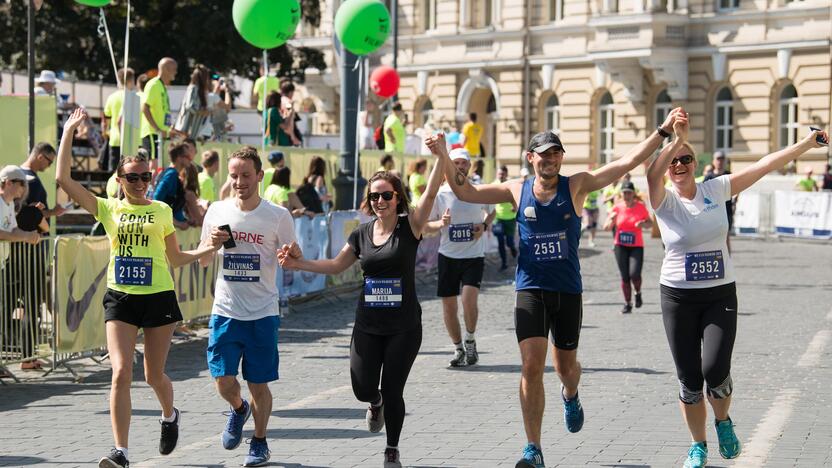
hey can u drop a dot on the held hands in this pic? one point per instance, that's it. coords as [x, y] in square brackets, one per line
[812, 138]
[218, 237]
[288, 256]
[681, 126]
[74, 120]
[436, 144]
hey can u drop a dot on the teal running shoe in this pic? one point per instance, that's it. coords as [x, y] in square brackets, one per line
[532, 458]
[729, 445]
[573, 412]
[697, 455]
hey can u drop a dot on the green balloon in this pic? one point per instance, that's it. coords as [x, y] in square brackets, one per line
[94, 3]
[266, 24]
[362, 25]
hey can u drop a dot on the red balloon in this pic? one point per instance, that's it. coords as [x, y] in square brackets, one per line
[384, 81]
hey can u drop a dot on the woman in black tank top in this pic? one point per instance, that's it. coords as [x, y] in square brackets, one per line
[388, 322]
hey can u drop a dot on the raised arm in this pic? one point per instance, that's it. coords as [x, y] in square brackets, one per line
[73, 188]
[606, 174]
[332, 266]
[656, 170]
[487, 194]
[745, 178]
[420, 214]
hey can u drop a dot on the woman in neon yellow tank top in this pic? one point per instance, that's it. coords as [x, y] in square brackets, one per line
[140, 292]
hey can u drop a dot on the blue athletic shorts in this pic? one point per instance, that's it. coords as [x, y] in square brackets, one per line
[252, 341]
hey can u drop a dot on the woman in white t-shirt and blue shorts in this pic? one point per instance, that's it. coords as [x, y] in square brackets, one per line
[698, 289]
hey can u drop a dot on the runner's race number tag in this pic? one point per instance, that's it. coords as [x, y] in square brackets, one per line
[134, 271]
[382, 292]
[548, 246]
[241, 267]
[461, 232]
[626, 238]
[702, 266]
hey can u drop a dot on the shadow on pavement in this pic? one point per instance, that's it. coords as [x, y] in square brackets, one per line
[506, 368]
[322, 413]
[320, 434]
[12, 460]
[633, 370]
[17, 396]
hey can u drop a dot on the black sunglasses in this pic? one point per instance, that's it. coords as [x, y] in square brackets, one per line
[132, 177]
[684, 159]
[387, 196]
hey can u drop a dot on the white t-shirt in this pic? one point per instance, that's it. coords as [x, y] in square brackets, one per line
[246, 287]
[7, 223]
[457, 239]
[694, 233]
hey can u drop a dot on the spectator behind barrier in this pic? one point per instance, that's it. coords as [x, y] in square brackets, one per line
[169, 188]
[195, 207]
[280, 193]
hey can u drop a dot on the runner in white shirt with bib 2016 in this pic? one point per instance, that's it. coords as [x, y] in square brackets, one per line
[461, 260]
[698, 287]
[244, 319]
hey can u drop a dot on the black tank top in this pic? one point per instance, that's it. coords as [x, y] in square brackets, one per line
[388, 304]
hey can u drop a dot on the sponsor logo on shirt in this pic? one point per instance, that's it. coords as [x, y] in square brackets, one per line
[529, 213]
[709, 205]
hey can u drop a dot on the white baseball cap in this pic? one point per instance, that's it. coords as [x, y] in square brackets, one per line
[460, 153]
[47, 76]
[12, 172]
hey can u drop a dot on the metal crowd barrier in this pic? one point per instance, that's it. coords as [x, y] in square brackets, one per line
[26, 322]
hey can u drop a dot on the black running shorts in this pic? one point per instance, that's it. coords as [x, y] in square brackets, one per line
[539, 313]
[453, 271]
[142, 310]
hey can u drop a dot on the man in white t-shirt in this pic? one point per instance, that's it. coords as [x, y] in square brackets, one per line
[461, 260]
[244, 319]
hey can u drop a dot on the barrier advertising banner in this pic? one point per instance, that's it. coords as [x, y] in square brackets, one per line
[803, 214]
[747, 214]
[341, 224]
[312, 238]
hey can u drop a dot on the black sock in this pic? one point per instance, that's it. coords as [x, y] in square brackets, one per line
[258, 439]
[241, 409]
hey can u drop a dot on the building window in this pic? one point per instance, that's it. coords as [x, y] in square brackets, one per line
[724, 121]
[552, 114]
[554, 10]
[606, 129]
[788, 116]
[429, 14]
[425, 113]
[727, 4]
[663, 107]
[482, 13]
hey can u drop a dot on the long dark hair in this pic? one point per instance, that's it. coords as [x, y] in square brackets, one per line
[317, 167]
[403, 205]
[282, 177]
[201, 78]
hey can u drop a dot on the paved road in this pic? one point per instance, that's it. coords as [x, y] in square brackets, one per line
[471, 417]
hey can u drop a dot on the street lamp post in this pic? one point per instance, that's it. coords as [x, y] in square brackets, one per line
[30, 25]
[349, 177]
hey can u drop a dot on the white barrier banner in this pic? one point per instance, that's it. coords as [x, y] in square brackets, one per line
[803, 214]
[747, 214]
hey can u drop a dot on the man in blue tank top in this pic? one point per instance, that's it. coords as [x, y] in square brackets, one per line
[548, 281]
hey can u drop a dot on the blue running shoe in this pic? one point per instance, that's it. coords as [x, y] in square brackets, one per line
[532, 458]
[729, 445]
[573, 413]
[258, 453]
[697, 455]
[233, 433]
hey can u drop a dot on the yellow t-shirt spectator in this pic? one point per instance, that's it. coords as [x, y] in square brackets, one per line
[155, 95]
[473, 133]
[394, 123]
[112, 110]
[277, 194]
[272, 84]
[415, 181]
[207, 190]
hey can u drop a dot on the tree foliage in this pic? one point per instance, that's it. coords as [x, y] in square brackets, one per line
[191, 31]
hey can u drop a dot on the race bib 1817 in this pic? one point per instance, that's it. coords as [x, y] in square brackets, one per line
[626, 238]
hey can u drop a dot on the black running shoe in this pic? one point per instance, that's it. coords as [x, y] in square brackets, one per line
[627, 309]
[170, 434]
[115, 459]
[638, 300]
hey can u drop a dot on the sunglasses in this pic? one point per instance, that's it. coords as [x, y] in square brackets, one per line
[684, 159]
[387, 196]
[48, 159]
[132, 177]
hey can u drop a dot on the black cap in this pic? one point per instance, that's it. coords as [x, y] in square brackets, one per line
[275, 156]
[628, 186]
[543, 141]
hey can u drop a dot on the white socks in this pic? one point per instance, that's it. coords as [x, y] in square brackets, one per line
[124, 451]
[469, 336]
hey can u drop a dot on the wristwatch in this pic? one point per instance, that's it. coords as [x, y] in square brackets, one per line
[662, 132]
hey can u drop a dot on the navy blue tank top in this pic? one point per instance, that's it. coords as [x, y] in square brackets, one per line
[549, 235]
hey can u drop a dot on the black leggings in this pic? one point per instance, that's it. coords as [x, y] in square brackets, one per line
[701, 325]
[395, 353]
[630, 261]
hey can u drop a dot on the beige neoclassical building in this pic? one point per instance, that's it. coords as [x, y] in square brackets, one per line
[753, 74]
